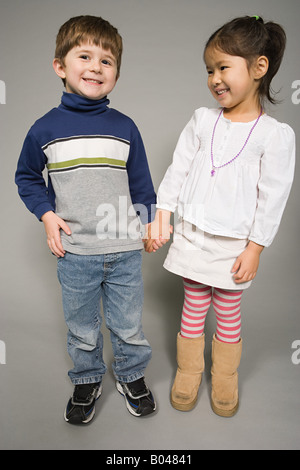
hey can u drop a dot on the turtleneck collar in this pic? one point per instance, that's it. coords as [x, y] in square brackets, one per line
[77, 103]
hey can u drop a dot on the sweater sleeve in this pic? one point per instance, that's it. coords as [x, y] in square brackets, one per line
[29, 178]
[140, 182]
[186, 149]
[276, 177]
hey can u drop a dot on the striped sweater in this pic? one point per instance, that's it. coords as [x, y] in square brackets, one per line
[98, 176]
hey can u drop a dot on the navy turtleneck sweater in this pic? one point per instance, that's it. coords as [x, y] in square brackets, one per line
[98, 175]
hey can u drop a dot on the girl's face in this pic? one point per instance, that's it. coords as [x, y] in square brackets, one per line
[230, 80]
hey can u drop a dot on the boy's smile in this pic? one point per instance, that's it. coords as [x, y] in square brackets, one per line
[88, 70]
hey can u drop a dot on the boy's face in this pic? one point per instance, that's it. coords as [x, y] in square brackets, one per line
[88, 70]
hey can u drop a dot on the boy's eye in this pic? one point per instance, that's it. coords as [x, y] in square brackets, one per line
[223, 67]
[84, 56]
[105, 62]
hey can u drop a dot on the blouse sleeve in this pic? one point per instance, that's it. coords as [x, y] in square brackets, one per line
[276, 177]
[186, 149]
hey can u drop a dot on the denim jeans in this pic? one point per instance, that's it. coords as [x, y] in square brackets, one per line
[116, 279]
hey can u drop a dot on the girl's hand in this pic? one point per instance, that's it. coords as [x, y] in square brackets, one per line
[151, 246]
[158, 232]
[246, 265]
[53, 224]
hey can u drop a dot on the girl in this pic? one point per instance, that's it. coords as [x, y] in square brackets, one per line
[230, 180]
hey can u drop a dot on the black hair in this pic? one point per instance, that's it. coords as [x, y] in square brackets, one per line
[250, 37]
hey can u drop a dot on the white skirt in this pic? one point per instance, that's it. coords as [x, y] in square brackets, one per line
[203, 257]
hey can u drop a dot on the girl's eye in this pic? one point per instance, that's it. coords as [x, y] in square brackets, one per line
[85, 57]
[105, 62]
[223, 67]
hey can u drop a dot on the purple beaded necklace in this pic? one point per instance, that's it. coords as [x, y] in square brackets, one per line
[238, 154]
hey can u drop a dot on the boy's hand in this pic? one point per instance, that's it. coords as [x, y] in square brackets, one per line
[158, 232]
[53, 224]
[246, 265]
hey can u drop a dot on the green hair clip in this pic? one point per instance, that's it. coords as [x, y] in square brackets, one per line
[256, 17]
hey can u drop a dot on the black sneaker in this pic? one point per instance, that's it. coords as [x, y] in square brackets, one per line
[139, 399]
[81, 406]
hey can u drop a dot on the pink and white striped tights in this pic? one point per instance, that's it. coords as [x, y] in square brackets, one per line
[227, 307]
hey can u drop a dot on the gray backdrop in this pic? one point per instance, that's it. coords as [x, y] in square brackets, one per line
[163, 80]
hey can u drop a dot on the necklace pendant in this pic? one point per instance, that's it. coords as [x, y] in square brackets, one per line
[238, 154]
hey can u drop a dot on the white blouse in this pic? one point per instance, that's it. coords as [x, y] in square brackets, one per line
[244, 199]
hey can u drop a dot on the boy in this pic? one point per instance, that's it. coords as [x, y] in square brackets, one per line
[96, 163]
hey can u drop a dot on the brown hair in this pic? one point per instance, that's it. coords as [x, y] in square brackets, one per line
[92, 29]
[250, 37]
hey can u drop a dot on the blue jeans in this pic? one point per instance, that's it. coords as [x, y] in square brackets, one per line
[116, 279]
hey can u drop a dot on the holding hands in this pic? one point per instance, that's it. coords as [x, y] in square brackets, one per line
[158, 232]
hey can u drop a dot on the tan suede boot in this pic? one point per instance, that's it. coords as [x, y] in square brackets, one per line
[190, 359]
[225, 362]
